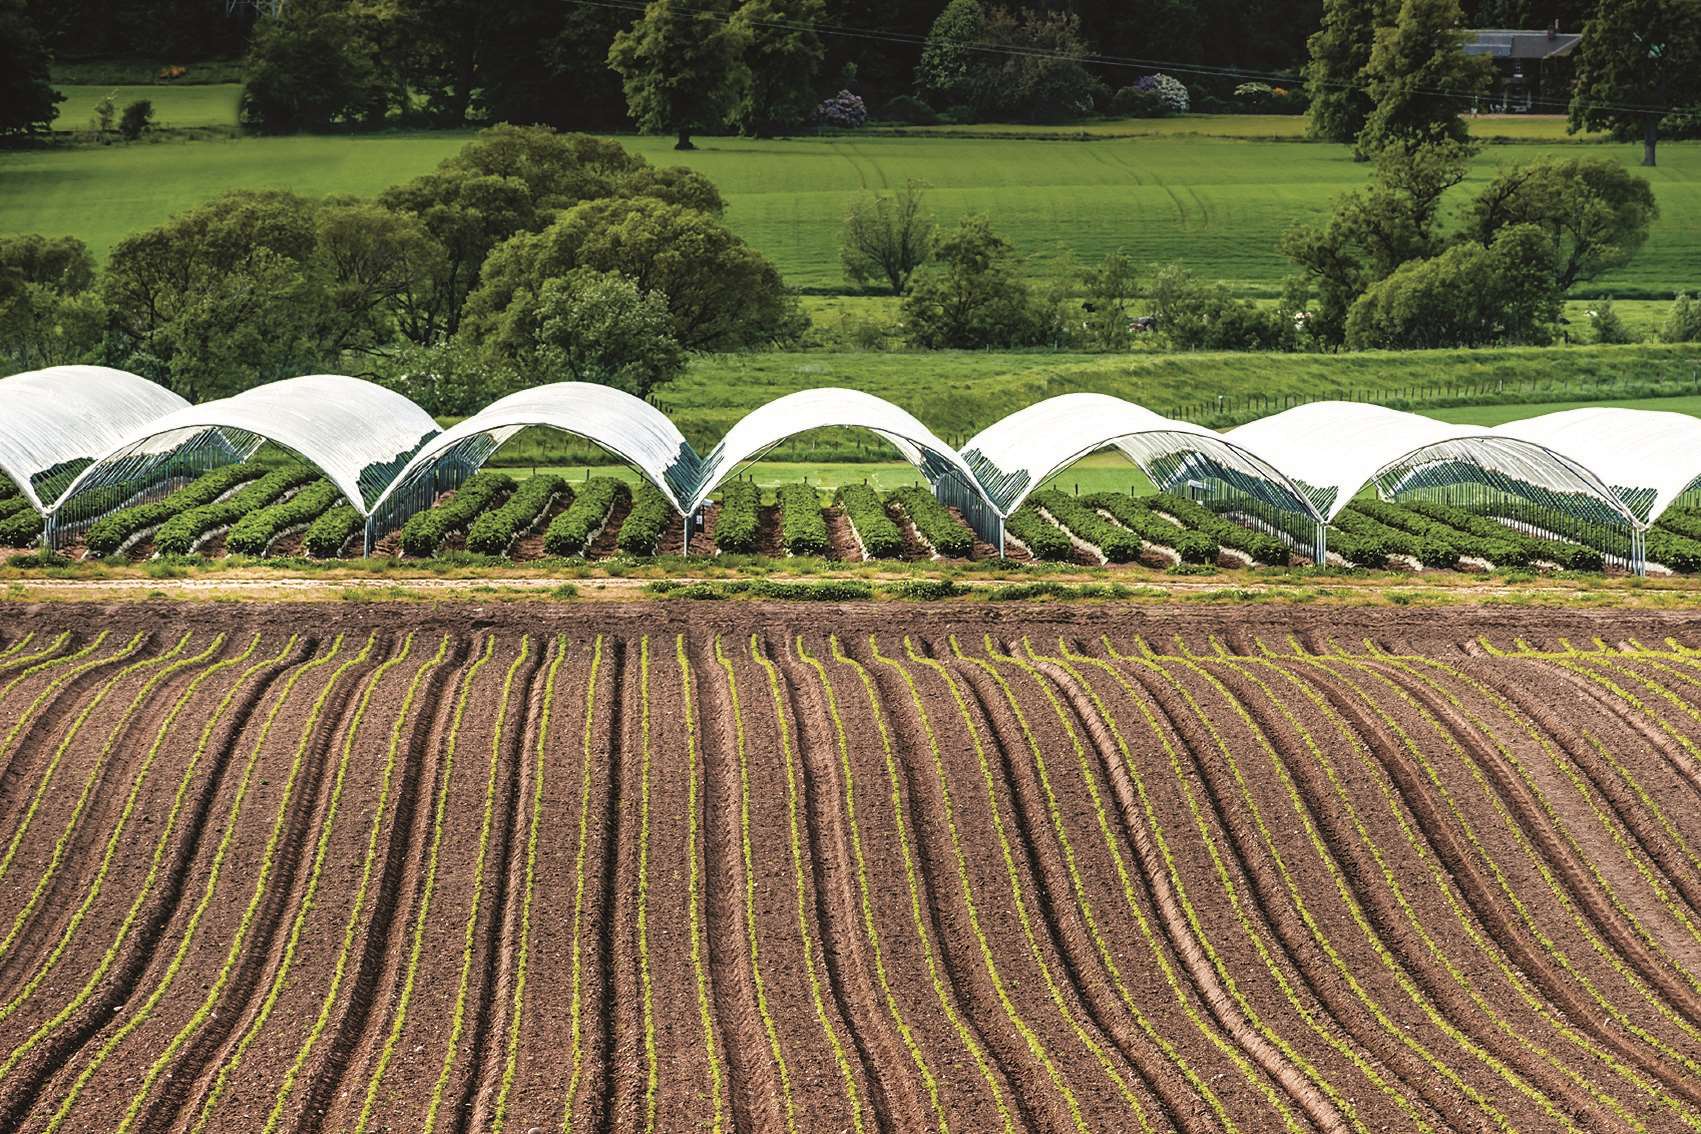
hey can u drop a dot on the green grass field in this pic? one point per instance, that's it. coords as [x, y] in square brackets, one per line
[175, 108]
[1217, 204]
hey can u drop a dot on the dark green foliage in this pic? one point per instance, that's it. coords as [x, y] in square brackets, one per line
[972, 296]
[425, 531]
[924, 590]
[1419, 78]
[1335, 74]
[1132, 513]
[136, 120]
[879, 536]
[20, 527]
[651, 513]
[1637, 59]
[1118, 544]
[329, 534]
[680, 67]
[494, 531]
[1595, 212]
[738, 523]
[107, 534]
[1374, 520]
[1500, 545]
[934, 523]
[179, 534]
[572, 531]
[307, 69]
[1262, 547]
[1043, 539]
[28, 102]
[803, 526]
[253, 533]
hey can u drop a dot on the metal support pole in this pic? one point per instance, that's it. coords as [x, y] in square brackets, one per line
[685, 545]
[371, 536]
[1320, 544]
[1001, 537]
[1639, 552]
[49, 533]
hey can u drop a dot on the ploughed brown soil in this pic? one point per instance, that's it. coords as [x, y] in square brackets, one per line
[878, 868]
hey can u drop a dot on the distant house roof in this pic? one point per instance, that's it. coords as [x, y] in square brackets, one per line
[1505, 43]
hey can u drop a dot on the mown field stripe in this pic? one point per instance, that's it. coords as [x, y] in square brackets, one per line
[800, 887]
[1513, 976]
[94, 777]
[865, 899]
[511, 1054]
[1036, 1047]
[694, 893]
[1517, 1080]
[469, 941]
[587, 778]
[351, 927]
[1547, 944]
[914, 876]
[747, 852]
[214, 872]
[1019, 893]
[404, 998]
[286, 962]
[110, 853]
[268, 859]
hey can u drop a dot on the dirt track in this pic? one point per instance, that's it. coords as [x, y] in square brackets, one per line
[676, 867]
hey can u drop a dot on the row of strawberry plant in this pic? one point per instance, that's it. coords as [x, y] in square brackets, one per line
[641, 531]
[1371, 521]
[1042, 538]
[1132, 513]
[112, 532]
[329, 534]
[582, 521]
[934, 522]
[1504, 546]
[1115, 543]
[180, 534]
[803, 526]
[875, 530]
[20, 524]
[739, 521]
[425, 531]
[495, 531]
[1261, 546]
[254, 533]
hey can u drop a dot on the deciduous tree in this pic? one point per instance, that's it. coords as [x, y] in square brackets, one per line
[681, 67]
[887, 237]
[973, 295]
[28, 102]
[1638, 71]
[1419, 78]
[783, 54]
[1596, 213]
[588, 326]
[1335, 74]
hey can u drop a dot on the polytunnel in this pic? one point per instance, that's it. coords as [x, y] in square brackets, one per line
[1333, 450]
[359, 435]
[54, 423]
[1014, 456]
[628, 427]
[1650, 458]
[768, 425]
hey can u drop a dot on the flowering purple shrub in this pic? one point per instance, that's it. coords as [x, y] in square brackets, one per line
[1168, 88]
[844, 111]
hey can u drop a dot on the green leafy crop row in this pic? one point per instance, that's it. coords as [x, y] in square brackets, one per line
[1115, 543]
[641, 531]
[179, 534]
[572, 531]
[255, 532]
[1262, 547]
[327, 535]
[109, 533]
[1043, 539]
[934, 522]
[494, 532]
[425, 531]
[1132, 513]
[803, 527]
[874, 528]
[738, 523]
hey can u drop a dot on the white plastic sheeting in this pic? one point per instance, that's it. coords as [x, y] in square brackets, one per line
[1648, 457]
[358, 434]
[1332, 450]
[630, 428]
[1012, 457]
[766, 426]
[55, 419]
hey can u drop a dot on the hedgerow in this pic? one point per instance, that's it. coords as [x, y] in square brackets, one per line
[254, 533]
[1115, 543]
[875, 530]
[494, 531]
[109, 533]
[425, 531]
[180, 534]
[329, 534]
[934, 522]
[641, 531]
[572, 531]
[1132, 513]
[738, 523]
[1042, 538]
[1261, 546]
[803, 526]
